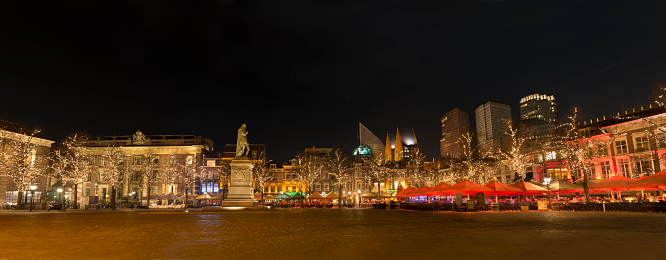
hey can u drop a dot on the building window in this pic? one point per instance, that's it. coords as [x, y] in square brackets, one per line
[156, 161]
[210, 163]
[272, 189]
[624, 167]
[621, 147]
[279, 189]
[87, 192]
[551, 156]
[153, 190]
[137, 160]
[153, 177]
[605, 169]
[642, 167]
[265, 189]
[641, 144]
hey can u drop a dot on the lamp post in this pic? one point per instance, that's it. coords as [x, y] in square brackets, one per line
[359, 197]
[32, 196]
[62, 199]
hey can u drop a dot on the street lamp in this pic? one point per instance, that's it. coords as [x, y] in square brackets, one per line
[359, 197]
[32, 196]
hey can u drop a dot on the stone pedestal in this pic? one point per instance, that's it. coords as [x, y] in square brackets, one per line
[241, 193]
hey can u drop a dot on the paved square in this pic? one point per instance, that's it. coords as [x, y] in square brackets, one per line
[332, 234]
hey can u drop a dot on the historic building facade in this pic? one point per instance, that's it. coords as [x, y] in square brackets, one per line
[171, 154]
[8, 189]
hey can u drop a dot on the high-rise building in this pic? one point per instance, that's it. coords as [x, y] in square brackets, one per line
[401, 146]
[539, 114]
[366, 137]
[455, 123]
[492, 119]
[540, 107]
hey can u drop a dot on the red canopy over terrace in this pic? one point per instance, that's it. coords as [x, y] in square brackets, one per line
[419, 191]
[617, 182]
[502, 189]
[437, 190]
[466, 187]
[652, 182]
[562, 186]
[529, 188]
[404, 192]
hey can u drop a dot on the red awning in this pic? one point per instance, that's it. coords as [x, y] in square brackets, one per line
[501, 188]
[656, 181]
[419, 191]
[529, 188]
[404, 192]
[467, 187]
[437, 190]
[617, 182]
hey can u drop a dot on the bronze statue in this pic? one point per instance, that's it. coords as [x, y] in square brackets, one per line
[242, 146]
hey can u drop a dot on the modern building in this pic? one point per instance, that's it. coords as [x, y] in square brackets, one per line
[13, 132]
[455, 124]
[538, 106]
[492, 119]
[370, 140]
[171, 152]
[538, 113]
[401, 146]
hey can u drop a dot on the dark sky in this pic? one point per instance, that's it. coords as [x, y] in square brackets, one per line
[304, 73]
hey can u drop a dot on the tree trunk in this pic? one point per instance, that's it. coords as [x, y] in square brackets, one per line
[339, 195]
[113, 198]
[75, 196]
[587, 191]
[148, 199]
[19, 200]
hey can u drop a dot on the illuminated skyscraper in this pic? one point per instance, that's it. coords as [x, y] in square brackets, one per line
[455, 123]
[492, 120]
[539, 114]
[538, 107]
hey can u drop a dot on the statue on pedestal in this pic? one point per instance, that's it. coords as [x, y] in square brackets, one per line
[242, 146]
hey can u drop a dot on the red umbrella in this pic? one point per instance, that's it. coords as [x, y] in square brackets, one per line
[529, 188]
[652, 182]
[502, 189]
[466, 187]
[437, 190]
[419, 191]
[617, 182]
[404, 192]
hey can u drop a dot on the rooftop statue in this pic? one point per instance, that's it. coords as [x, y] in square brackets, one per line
[242, 146]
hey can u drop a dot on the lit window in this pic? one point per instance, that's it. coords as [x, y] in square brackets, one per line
[621, 147]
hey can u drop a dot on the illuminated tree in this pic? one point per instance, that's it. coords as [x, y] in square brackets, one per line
[376, 170]
[261, 173]
[189, 174]
[339, 170]
[148, 165]
[470, 166]
[517, 156]
[578, 150]
[114, 169]
[70, 164]
[19, 159]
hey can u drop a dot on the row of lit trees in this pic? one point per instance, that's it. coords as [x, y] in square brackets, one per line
[69, 163]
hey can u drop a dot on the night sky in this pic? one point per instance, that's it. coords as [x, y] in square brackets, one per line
[304, 73]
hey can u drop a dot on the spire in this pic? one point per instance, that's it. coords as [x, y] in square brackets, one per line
[388, 155]
[398, 146]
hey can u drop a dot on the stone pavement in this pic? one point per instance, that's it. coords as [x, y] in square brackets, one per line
[330, 234]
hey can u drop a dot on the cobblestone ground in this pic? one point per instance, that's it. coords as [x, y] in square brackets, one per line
[331, 234]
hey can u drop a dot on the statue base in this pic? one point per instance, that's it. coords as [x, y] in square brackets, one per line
[241, 192]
